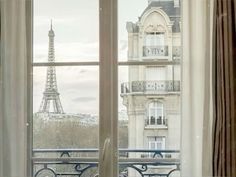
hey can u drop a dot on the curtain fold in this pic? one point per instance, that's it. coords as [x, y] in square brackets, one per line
[224, 90]
[13, 89]
[196, 84]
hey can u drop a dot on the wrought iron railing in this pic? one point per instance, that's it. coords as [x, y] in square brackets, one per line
[74, 163]
[156, 121]
[155, 51]
[150, 86]
[160, 51]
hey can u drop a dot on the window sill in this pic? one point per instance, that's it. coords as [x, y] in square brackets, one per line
[156, 127]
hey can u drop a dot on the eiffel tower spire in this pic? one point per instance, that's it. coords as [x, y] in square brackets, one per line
[51, 94]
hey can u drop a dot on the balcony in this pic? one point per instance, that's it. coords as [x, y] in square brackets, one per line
[84, 162]
[155, 51]
[156, 122]
[162, 51]
[150, 87]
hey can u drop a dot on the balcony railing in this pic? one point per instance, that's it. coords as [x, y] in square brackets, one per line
[156, 122]
[150, 87]
[74, 163]
[161, 51]
[155, 51]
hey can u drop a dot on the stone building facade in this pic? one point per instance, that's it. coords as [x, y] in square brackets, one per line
[152, 95]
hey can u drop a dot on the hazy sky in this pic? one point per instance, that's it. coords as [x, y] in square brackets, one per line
[75, 23]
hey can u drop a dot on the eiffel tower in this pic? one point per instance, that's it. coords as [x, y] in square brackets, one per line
[51, 94]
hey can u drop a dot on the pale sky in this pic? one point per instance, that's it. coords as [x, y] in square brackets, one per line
[75, 23]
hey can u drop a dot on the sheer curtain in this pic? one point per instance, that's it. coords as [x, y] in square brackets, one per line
[196, 89]
[13, 88]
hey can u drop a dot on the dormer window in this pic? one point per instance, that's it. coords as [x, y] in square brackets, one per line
[155, 39]
[154, 44]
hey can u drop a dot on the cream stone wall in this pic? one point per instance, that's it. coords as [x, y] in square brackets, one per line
[153, 19]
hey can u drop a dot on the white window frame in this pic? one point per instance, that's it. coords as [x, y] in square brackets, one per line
[108, 85]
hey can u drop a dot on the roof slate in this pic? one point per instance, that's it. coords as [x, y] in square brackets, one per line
[167, 6]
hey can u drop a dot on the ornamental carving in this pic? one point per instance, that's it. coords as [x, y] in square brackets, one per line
[155, 28]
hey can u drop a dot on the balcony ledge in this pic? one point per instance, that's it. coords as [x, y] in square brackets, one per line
[151, 87]
[150, 93]
[150, 127]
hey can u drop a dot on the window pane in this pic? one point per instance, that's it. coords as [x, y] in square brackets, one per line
[150, 95]
[146, 33]
[75, 24]
[65, 119]
[122, 114]
[146, 112]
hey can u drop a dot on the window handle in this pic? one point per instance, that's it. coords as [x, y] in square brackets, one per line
[105, 147]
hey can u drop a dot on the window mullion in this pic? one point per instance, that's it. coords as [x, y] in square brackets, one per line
[108, 107]
[29, 94]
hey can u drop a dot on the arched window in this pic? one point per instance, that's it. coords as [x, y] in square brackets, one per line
[156, 113]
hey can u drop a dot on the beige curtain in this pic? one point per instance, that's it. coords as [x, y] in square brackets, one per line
[224, 132]
[13, 87]
[196, 88]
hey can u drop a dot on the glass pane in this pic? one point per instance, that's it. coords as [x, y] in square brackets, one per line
[147, 33]
[149, 118]
[150, 95]
[122, 114]
[65, 119]
[75, 25]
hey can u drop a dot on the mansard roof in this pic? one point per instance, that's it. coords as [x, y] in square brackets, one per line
[167, 6]
[174, 14]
